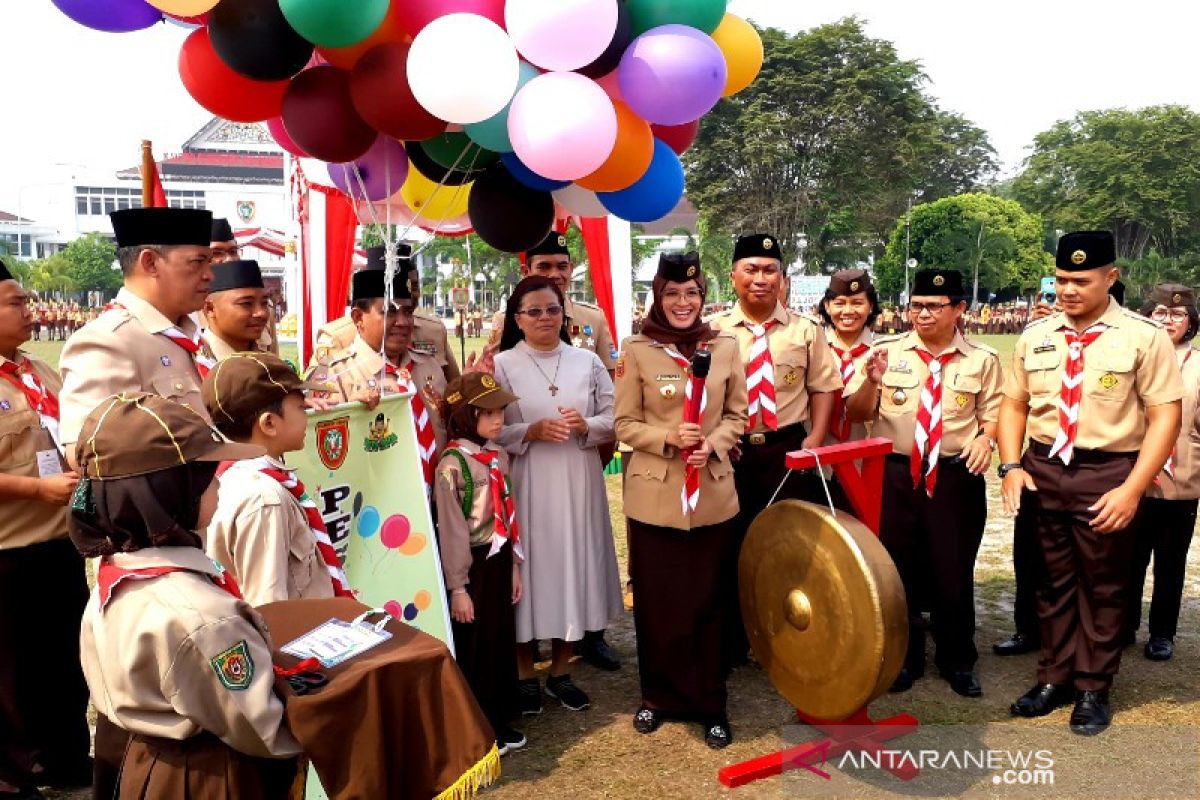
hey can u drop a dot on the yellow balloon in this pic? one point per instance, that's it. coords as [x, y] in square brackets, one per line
[743, 49]
[184, 8]
[434, 203]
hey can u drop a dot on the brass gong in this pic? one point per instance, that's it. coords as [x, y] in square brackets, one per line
[824, 608]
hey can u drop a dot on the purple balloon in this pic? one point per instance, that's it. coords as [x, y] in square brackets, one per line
[383, 170]
[113, 16]
[672, 74]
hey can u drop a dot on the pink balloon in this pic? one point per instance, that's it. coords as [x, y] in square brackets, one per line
[562, 126]
[395, 532]
[561, 35]
[414, 15]
[394, 608]
[275, 126]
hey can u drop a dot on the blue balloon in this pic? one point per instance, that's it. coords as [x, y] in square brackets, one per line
[655, 194]
[114, 16]
[527, 177]
[368, 522]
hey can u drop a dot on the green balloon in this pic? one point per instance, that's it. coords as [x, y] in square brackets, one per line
[703, 14]
[334, 23]
[457, 151]
[492, 133]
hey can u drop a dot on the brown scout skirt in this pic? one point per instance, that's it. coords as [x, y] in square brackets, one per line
[200, 768]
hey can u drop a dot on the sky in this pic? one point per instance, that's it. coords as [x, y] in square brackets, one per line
[78, 100]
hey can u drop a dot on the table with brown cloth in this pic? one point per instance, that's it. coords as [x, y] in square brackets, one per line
[397, 721]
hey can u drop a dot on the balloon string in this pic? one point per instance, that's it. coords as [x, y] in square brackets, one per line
[419, 214]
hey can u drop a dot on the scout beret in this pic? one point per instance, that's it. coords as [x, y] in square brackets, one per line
[1173, 294]
[679, 267]
[553, 245]
[139, 433]
[235, 275]
[135, 227]
[477, 389]
[241, 386]
[1084, 250]
[849, 281]
[936, 282]
[368, 284]
[221, 230]
[5, 275]
[757, 245]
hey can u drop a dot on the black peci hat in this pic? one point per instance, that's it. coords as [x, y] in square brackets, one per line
[679, 267]
[757, 245]
[1084, 250]
[554, 244]
[236, 275]
[5, 275]
[167, 227]
[368, 284]
[937, 282]
[377, 258]
[221, 230]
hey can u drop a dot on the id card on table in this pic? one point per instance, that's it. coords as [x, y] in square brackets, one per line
[336, 641]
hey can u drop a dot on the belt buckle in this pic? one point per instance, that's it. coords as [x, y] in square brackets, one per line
[758, 438]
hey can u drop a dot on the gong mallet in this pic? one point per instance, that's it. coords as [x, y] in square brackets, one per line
[693, 409]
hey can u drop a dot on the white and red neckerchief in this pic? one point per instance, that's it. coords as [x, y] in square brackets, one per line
[191, 344]
[689, 496]
[41, 399]
[760, 377]
[1072, 390]
[927, 436]
[504, 509]
[426, 436]
[839, 423]
[316, 524]
[109, 577]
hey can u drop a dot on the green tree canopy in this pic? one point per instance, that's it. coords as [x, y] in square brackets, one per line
[969, 232]
[1136, 173]
[91, 258]
[828, 144]
[53, 274]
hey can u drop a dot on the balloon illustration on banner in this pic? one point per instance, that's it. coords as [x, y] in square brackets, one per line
[453, 115]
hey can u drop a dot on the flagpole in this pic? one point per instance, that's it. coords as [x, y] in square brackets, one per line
[147, 171]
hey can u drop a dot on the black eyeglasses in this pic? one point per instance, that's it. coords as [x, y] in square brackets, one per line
[537, 313]
[932, 308]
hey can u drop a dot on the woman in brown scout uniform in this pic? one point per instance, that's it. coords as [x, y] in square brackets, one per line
[678, 551]
[170, 651]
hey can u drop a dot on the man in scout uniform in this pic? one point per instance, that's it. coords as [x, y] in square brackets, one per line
[792, 381]
[226, 248]
[44, 738]
[1098, 390]
[936, 396]
[237, 311]
[146, 341]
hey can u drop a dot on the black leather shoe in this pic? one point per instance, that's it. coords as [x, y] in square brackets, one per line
[595, 651]
[647, 720]
[965, 683]
[1091, 715]
[717, 734]
[1160, 648]
[903, 682]
[1016, 645]
[1042, 699]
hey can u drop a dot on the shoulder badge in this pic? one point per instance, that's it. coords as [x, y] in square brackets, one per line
[234, 667]
[620, 372]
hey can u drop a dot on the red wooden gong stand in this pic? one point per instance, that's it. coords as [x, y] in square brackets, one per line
[859, 733]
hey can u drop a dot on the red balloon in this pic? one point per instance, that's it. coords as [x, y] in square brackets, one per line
[414, 15]
[381, 94]
[212, 84]
[320, 117]
[280, 134]
[678, 137]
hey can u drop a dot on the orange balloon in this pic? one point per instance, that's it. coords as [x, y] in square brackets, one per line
[413, 545]
[422, 600]
[631, 156]
[388, 31]
[744, 53]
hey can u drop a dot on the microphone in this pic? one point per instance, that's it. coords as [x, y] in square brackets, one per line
[693, 410]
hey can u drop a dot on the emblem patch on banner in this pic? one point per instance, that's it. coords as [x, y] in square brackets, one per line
[380, 436]
[247, 209]
[332, 437]
[234, 667]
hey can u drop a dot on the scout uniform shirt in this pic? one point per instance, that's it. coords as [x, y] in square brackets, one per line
[1129, 367]
[650, 390]
[429, 338]
[215, 348]
[587, 328]
[261, 534]
[971, 395]
[1185, 485]
[858, 430]
[804, 364]
[177, 655]
[123, 351]
[26, 449]
[457, 534]
[360, 370]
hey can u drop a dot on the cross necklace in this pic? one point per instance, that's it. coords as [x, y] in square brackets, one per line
[551, 381]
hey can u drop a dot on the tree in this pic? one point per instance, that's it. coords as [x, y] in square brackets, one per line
[1135, 173]
[90, 260]
[827, 146]
[18, 268]
[53, 274]
[979, 235]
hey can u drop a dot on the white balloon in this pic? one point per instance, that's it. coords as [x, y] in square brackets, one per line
[580, 201]
[562, 126]
[562, 34]
[463, 68]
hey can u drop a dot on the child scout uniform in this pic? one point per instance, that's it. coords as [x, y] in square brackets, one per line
[132, 347]
[171, 652]
[229, 275]
[267, 531]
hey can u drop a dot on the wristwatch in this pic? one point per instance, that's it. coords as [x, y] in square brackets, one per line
[1004, 469]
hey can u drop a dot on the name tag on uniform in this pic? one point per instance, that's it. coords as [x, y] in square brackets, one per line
[49, 463]
[424, 348]
[668, 377]
[1046, 348]
[337, 641]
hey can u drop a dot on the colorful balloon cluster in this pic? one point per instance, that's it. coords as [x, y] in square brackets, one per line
[492, 115]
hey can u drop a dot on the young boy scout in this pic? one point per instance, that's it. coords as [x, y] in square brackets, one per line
[236, 312]
[44, 738]
[267, 531]
[1098, 390]
[936, 396]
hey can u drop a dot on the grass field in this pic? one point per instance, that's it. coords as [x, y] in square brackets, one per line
[1153, 749]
